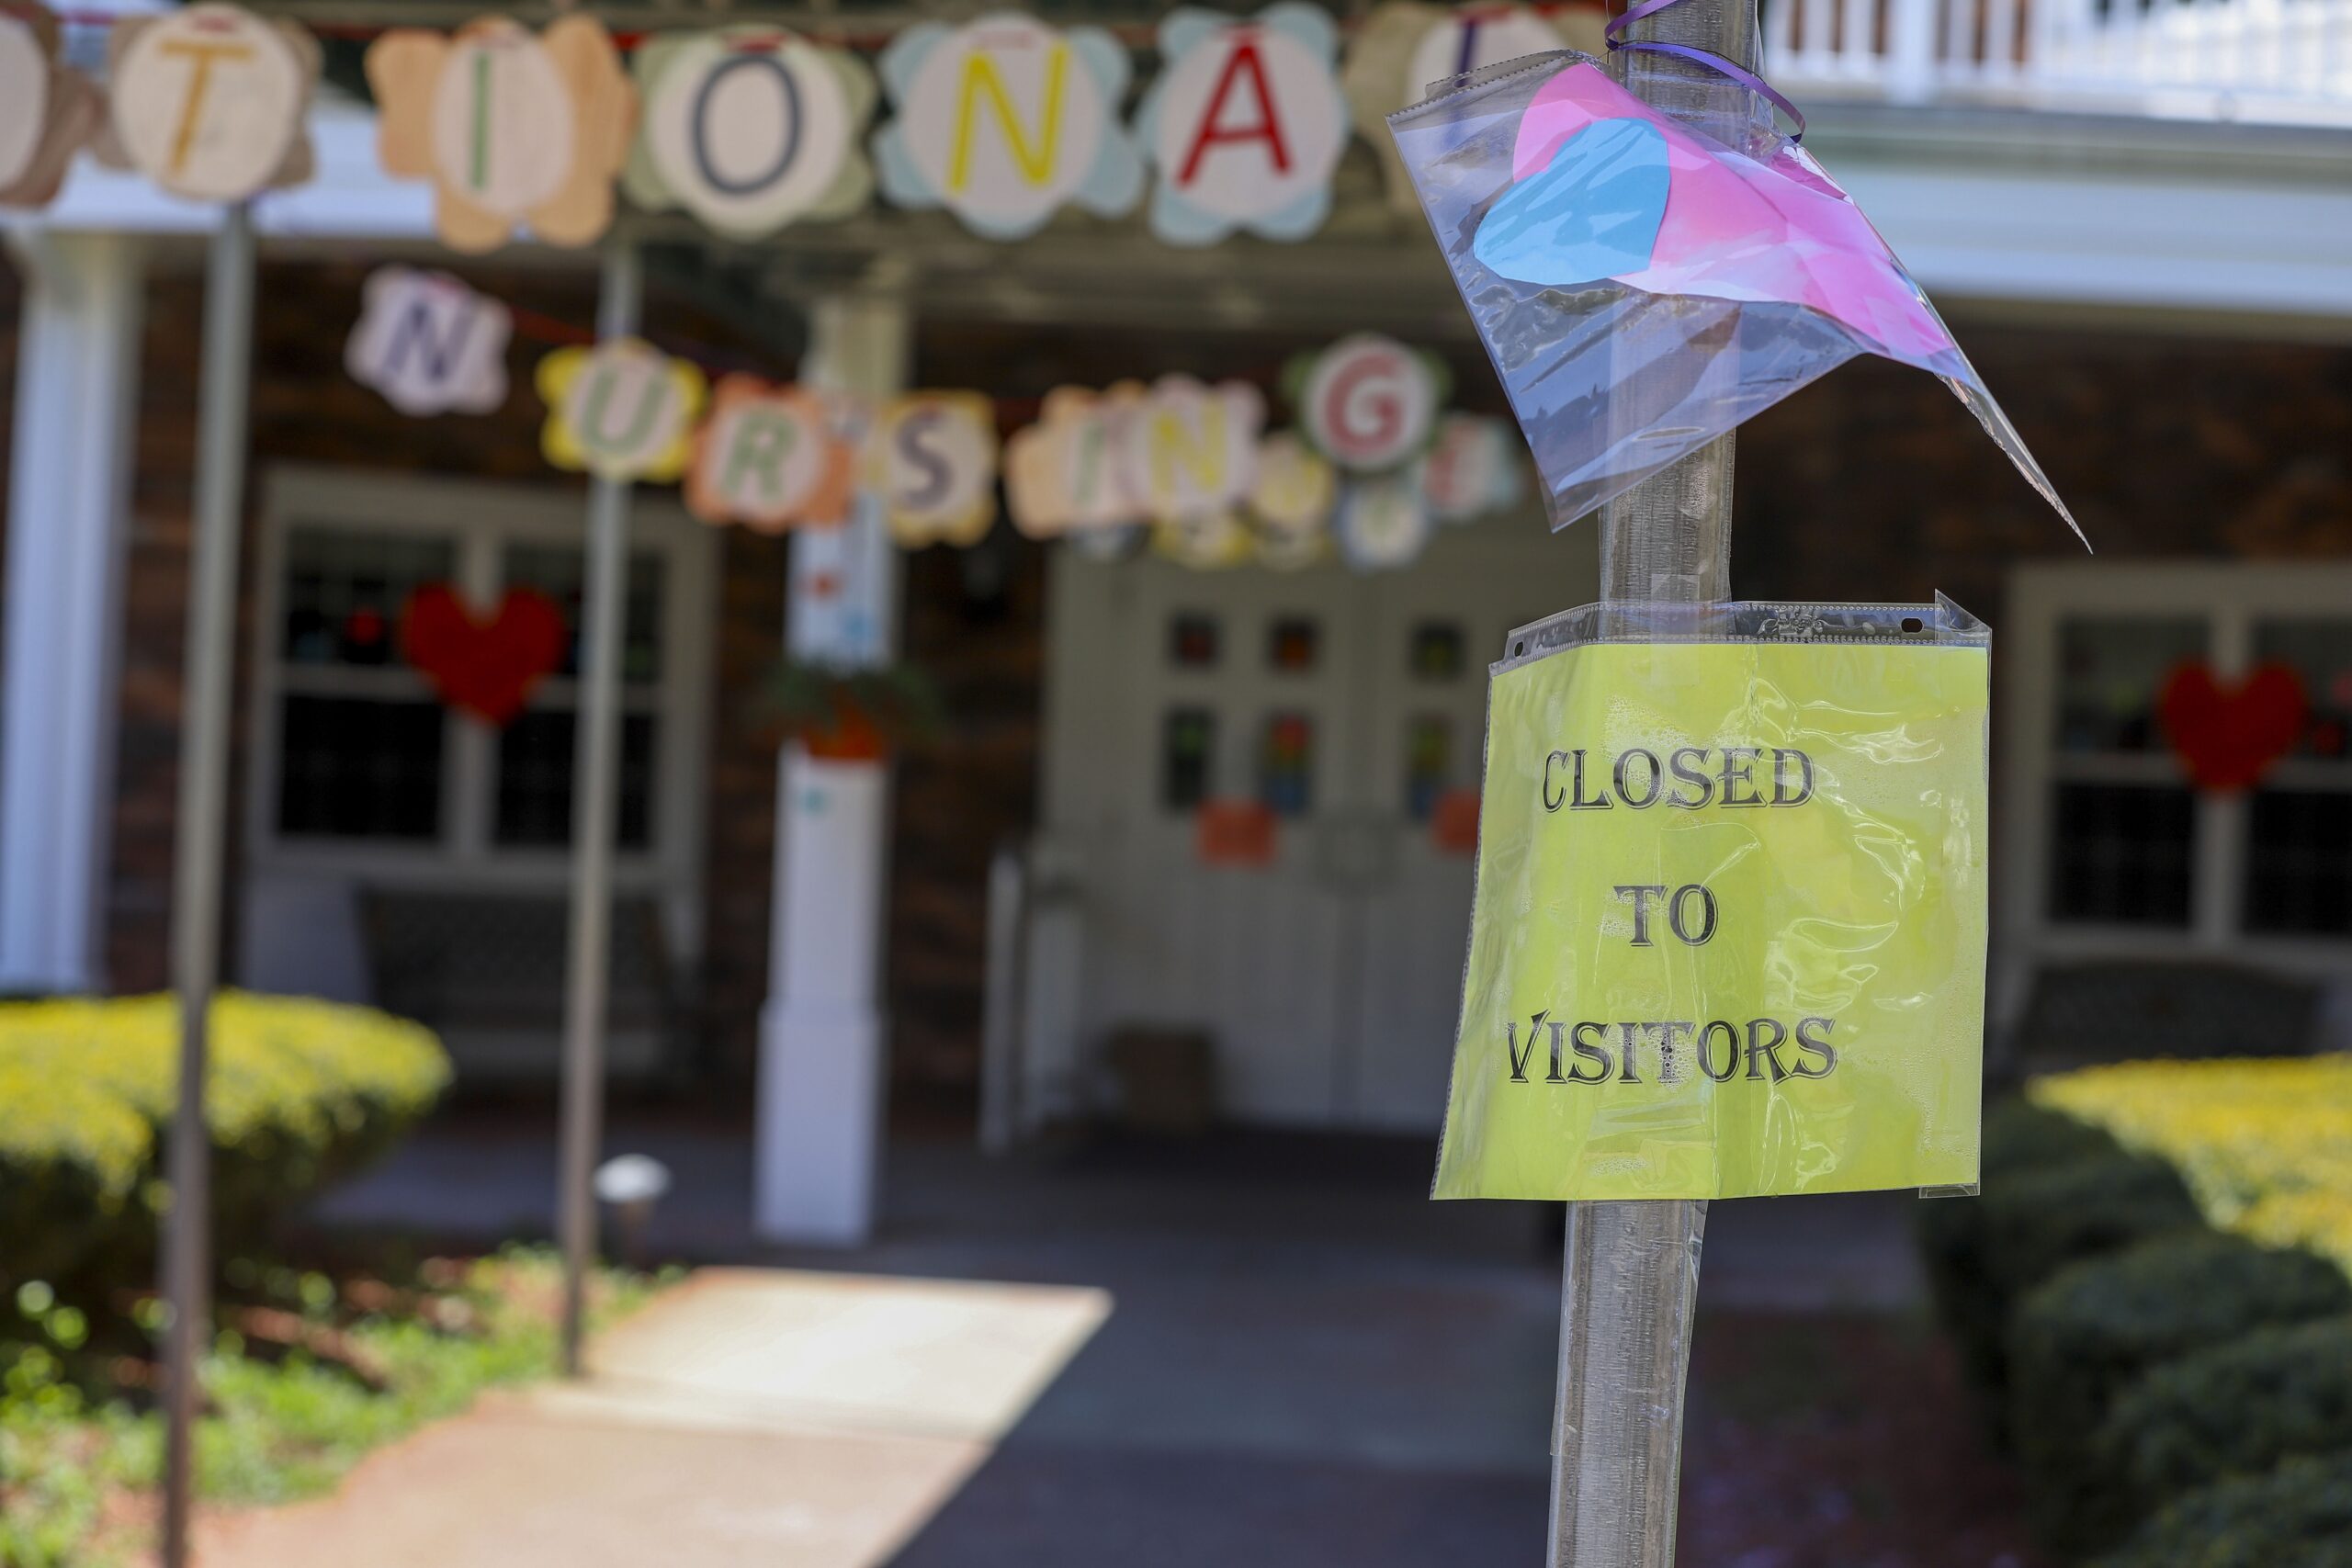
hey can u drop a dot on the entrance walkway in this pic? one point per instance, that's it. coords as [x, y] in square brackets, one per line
[1261, 1352]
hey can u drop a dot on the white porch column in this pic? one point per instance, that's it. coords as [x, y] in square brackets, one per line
[77, 380]
[823, 1032]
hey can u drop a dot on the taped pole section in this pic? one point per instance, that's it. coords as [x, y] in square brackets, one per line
[1631, 1269]
[201, 828]
[596, 766]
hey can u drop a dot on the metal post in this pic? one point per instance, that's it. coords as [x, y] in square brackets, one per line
[198, 835]
[1630, 1275]
[595, 770]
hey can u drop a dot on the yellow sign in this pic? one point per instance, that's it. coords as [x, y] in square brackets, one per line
[1729, 936]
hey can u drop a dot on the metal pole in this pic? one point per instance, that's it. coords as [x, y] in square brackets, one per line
[595, 770]
[201, 828]
[1631, 1273]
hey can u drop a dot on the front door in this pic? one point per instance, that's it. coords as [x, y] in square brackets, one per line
[1348, 708]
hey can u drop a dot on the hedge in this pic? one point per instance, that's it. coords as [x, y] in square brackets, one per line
[2079, 1339]
[2237, 1409]
[2299, 1515]
[2054, 1191]
[2264, 1146]
[299, 1092]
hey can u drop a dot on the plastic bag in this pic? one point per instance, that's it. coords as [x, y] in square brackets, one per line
[1643, 288]
[1729, 932]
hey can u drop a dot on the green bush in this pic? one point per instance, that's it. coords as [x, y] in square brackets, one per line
[299, 1093]
[2054, 1191]
[2235, 1410]
[2299, 1515]
[2079, 1339]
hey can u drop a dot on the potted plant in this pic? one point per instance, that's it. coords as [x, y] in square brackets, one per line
[853, 715]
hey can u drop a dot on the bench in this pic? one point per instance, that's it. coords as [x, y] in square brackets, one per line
[486, 971]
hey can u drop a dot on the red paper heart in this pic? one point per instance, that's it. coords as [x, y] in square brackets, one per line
[2228, 738]
[485, 667]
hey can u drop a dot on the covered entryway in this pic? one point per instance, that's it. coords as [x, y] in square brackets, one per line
[1349, 708]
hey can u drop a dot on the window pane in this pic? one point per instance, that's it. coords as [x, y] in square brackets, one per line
[534, 780]
[344, 591]
[352, 768]
[555, 571]
[2299, 863]
[2321, 652]
[2111, 672]
[2120, 855]
[1191, 640]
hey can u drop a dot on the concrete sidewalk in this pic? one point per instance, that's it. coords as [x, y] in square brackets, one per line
[749, 1417]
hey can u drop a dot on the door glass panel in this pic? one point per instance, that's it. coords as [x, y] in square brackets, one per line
[2120, 855]
[1290, 645]
[2321, 652]
[344, 591]
[1437, 650]
[1187, 757]
[360, 768]
[1287, 764]
[1429, 764]
[2111, 673]
[1191, 640]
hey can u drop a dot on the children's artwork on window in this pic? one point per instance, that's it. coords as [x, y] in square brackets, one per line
[483, 665]
[2228, 734]
[1003, 121]
[1429, 764]
[1187, 757]
[1234, 833]
[751, 128]
[1245, 124]
[48, 112]
[1436, 653]
[515, 129]
[1192, 641]
[1287, 764]
[429, 344]
[212, 103]
[1291, 644]
[1454, 825]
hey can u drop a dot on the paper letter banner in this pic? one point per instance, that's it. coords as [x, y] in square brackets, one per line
[1367, 402]
[429, 344]
[934, 459]
[749, 129]
[1064, 473]
[1189, 450]
[1208, 541]
[1474, 467]
[1729, 935]
[511, 126]
[1245, 123]
[1383, 522]
[211, 102]
[1004, 120]
[1405, 48]
[622, 409]
[47, 112]
[768, 457]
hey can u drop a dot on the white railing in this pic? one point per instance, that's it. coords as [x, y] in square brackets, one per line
[2286, 61]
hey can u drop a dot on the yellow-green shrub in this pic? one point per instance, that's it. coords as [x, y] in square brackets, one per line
[298, 1092]
[2266, 1147]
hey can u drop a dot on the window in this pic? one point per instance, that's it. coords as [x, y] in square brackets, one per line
[2121, 853]
[359, 761]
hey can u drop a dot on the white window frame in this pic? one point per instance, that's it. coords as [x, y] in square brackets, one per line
[2231, 597]
[482, 519]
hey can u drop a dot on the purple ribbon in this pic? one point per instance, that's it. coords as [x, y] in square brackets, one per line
[1708, 58]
